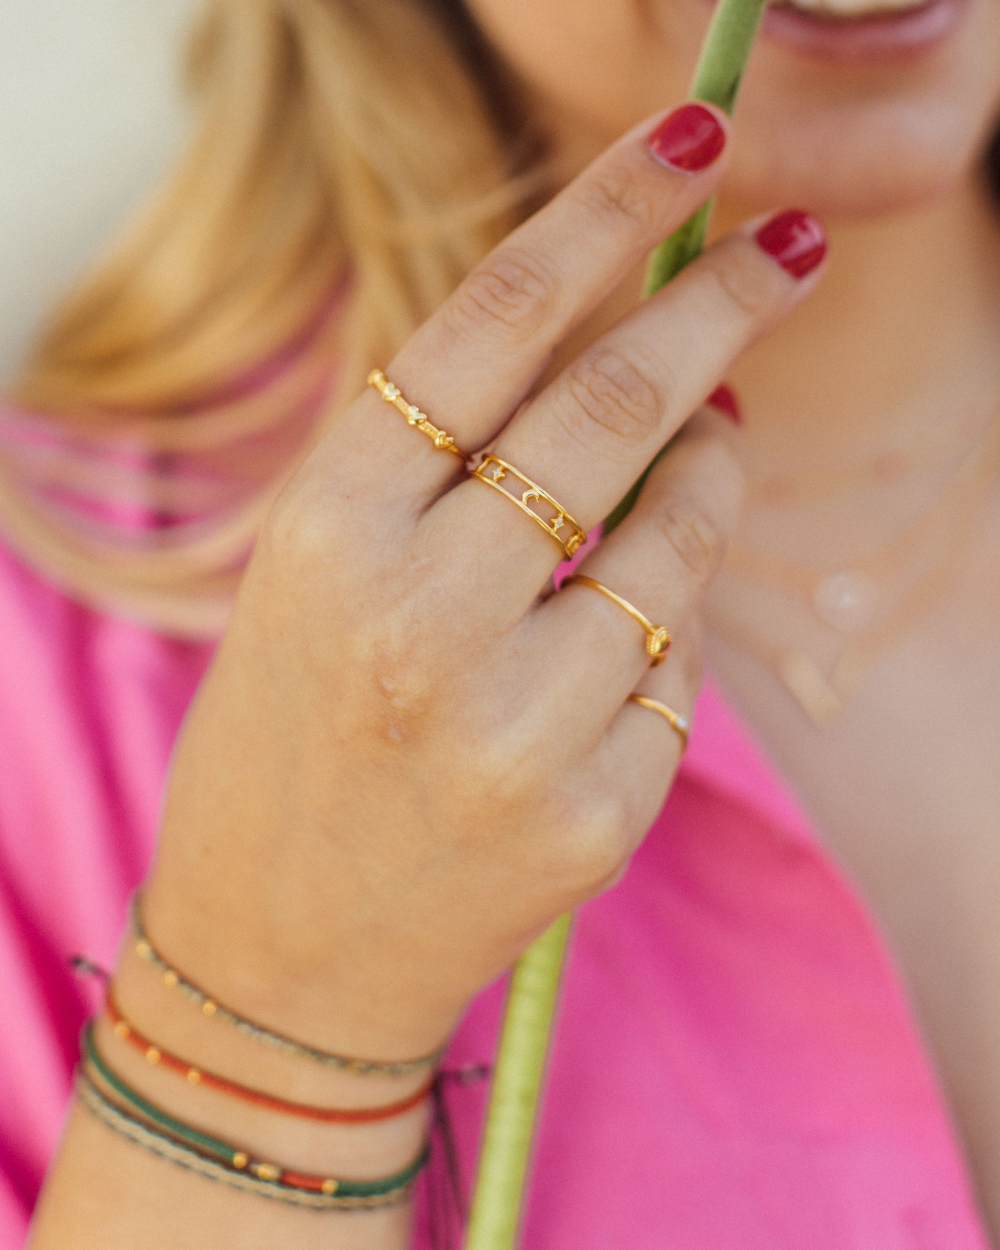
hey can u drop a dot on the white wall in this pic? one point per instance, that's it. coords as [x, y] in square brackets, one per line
[90, 117]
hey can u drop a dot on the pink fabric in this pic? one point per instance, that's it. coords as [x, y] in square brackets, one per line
[736, 1066]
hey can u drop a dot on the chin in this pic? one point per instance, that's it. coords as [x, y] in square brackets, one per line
[853, 170]
[852, 136]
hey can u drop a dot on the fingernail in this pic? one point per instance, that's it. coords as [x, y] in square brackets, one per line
[690, 139]
[724, 401]
[795, 240]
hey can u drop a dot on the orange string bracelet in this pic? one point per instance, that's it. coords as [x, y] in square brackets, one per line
[161, 1058]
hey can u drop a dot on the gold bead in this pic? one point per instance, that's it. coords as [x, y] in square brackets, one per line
[143, 950]
[193, 1076]
[330, 1186]
[170, 978]
[239, 1159]
[152, 1055]
[267, 1171]
[121, 1029]
[208, 1007]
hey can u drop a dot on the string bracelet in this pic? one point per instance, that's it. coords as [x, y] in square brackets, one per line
[140, 1134]
[161, 1058]
[153, 1128]
[173, 978]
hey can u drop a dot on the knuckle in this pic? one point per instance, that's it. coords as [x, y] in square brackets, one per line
[695, 537]
[739, 285]
[614, 393]
[591, 843]
[501, 764]
[692, 663]
[511, 294]
[619, 199]
[299, 529]
[400, 688]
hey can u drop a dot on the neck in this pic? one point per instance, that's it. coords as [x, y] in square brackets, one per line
[902, 335]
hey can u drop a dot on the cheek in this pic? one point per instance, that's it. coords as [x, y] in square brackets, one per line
[857, 149]
[842, 141]
[599, 65]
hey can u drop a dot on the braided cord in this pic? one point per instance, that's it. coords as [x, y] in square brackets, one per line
[185, 1136]
[211, 1007]
[156, 1143]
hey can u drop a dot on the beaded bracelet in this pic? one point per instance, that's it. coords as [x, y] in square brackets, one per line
[164, 1134]
[159, 1057]
[140, 1134]
[174, 979]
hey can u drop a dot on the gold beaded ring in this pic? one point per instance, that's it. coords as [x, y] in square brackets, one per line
[680, 724]
[392, 395]
[658, 639]
[493, 471]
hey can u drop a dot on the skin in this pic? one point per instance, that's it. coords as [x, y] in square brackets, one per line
[900, 341]
[317, 833]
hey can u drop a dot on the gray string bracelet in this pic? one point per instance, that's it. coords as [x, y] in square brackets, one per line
[212, 1008]
[141, 1134]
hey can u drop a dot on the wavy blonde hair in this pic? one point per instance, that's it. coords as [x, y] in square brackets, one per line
[376, 139]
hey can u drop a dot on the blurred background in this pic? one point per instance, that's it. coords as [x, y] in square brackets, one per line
[73, 163]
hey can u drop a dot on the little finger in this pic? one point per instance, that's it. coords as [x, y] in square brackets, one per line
[644, 744]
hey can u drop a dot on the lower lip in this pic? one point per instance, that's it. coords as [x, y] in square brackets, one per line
[878, 38]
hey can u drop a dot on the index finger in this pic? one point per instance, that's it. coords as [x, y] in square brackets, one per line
[470, 366]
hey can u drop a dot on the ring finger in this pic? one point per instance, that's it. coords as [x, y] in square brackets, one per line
[660, 561]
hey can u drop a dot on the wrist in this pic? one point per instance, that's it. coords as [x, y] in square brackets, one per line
[284, 963]
[177, 1030]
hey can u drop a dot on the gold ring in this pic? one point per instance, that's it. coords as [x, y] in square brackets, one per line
[493, 471]
[658, 638]
[680, 724]
[392, 395]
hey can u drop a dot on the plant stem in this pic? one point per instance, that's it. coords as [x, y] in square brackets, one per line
[517, 1083]
[717, 81]
[531, 1001]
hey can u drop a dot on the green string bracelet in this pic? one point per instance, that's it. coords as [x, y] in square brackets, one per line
[191, 1141]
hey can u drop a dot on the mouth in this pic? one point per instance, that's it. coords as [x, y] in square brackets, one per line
[861, 31]
[852, 10]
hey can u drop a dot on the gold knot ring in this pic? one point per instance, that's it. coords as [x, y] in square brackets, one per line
[392, 395]
[680, 724]
[658, 639]
[493, 471]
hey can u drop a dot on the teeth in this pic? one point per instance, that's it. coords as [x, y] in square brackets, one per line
[852, 8]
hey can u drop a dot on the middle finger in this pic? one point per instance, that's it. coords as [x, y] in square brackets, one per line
[588, 436]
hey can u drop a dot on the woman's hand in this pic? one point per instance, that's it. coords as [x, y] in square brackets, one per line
[407, 758]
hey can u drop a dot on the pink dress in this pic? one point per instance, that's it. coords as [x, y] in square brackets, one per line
[736, 1065]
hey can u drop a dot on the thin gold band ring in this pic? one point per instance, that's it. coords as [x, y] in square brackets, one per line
[493, 471]
[680, 724]
[658, 639]
[392, 395]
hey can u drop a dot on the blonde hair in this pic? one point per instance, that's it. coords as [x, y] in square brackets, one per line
[353, 160]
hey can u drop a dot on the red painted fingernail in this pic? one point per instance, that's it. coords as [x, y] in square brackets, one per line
[724, 401]
[690, 139]
[795, 240]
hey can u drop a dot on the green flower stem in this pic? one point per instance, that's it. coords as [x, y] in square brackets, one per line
[517, 1083]
[716, 80]
[531, 1001]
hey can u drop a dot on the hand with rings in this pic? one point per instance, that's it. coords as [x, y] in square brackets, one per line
[407, 758]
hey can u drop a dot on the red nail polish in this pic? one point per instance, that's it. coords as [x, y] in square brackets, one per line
[689, 139]
[724, 401]
[795, 240]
